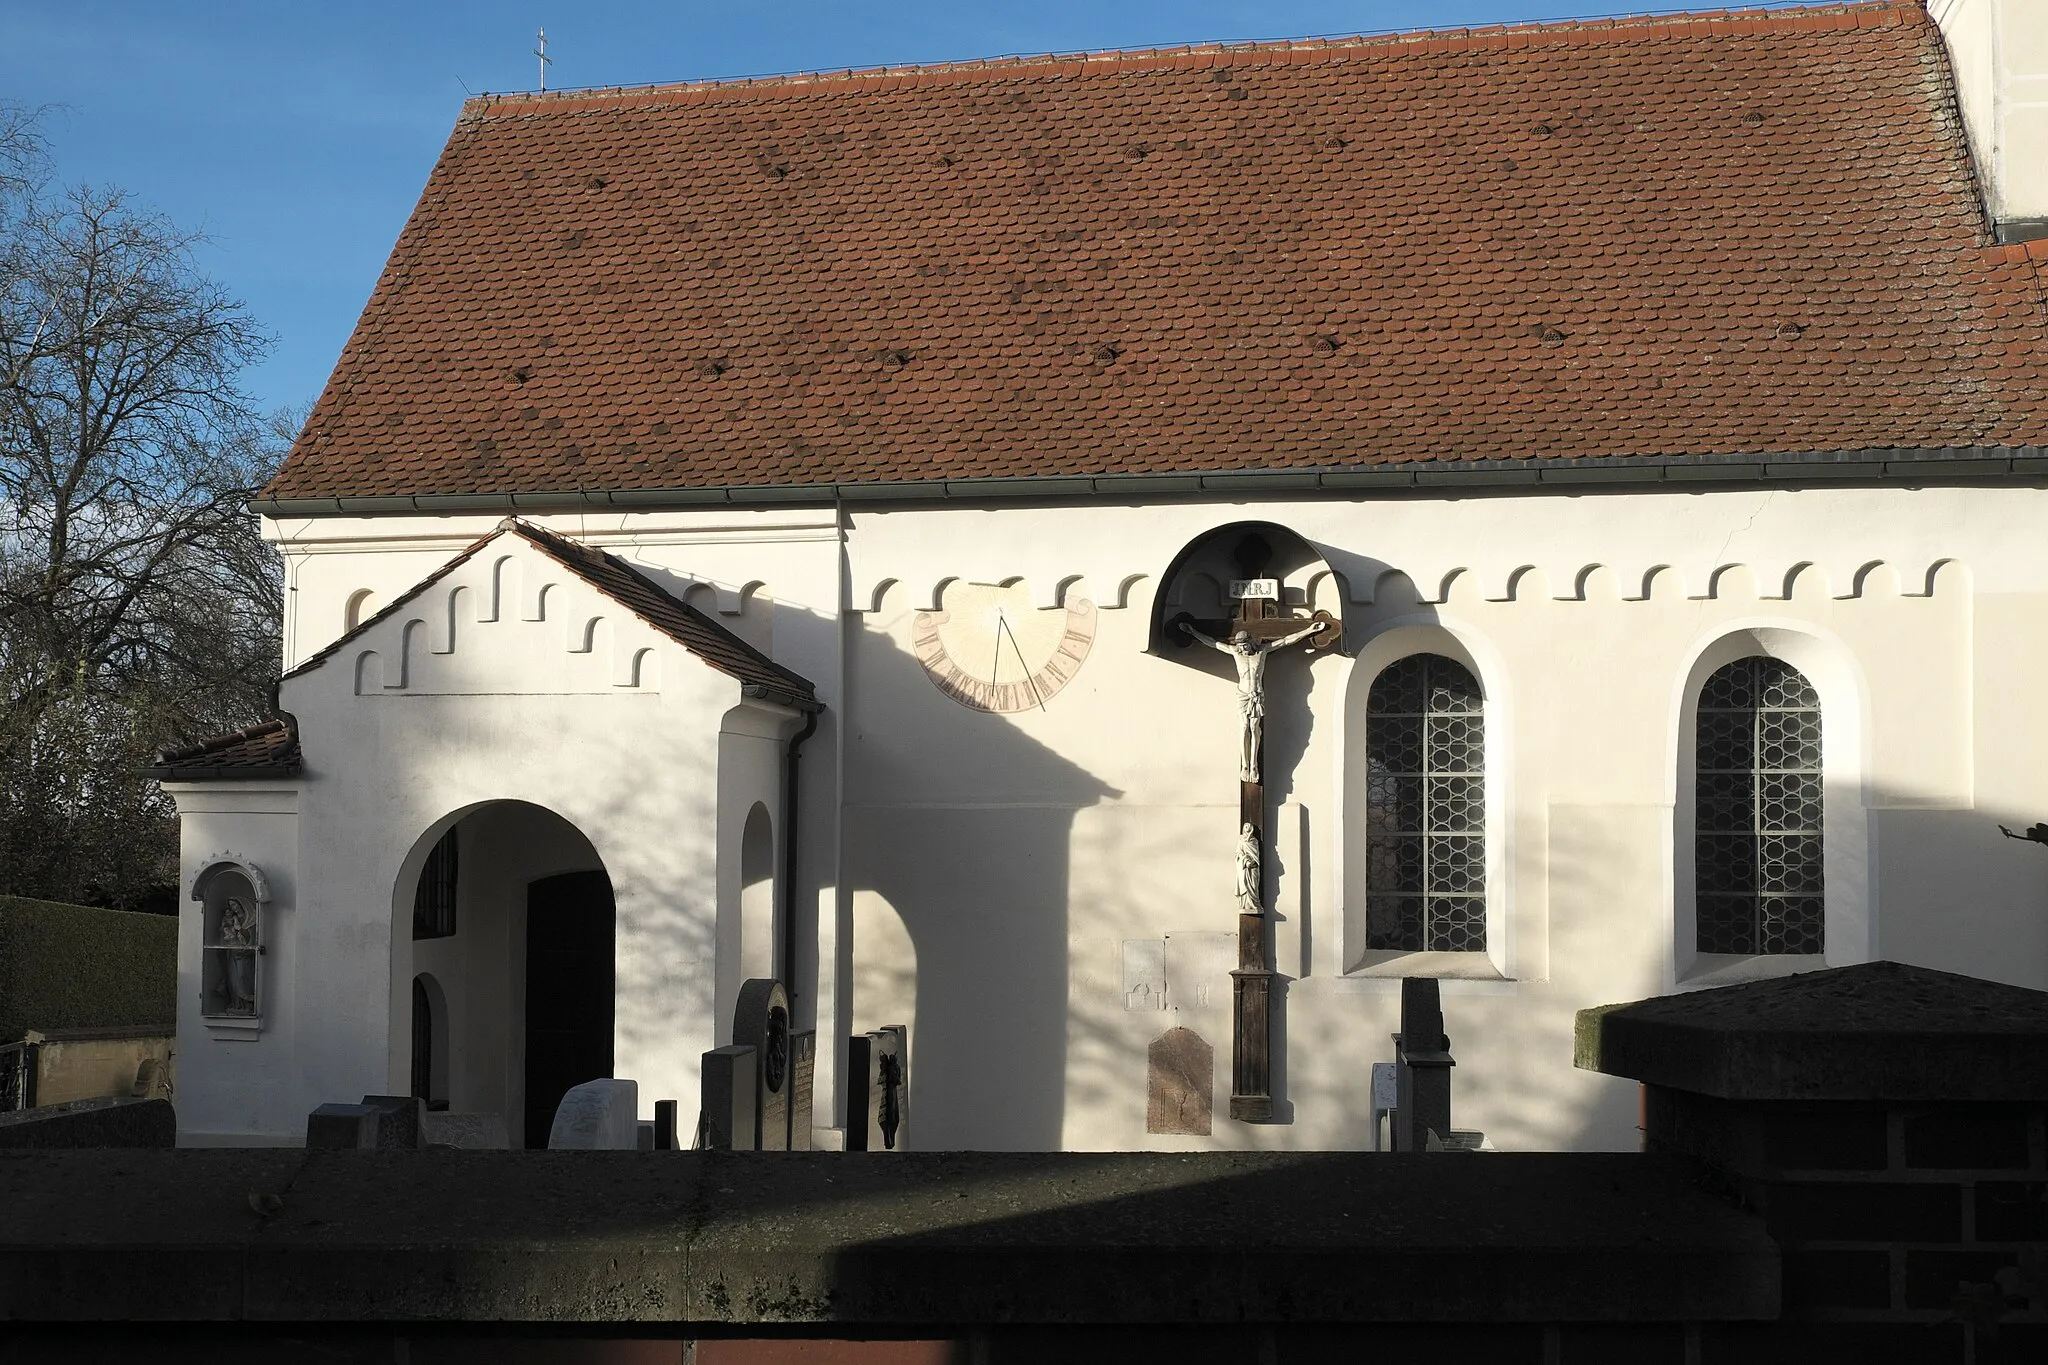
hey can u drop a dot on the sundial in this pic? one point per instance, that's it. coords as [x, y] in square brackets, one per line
[1259, 628]
[990, 649]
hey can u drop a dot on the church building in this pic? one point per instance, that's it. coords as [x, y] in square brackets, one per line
[1114, 561]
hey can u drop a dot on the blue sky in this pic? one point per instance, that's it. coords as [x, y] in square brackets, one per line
[297, 134]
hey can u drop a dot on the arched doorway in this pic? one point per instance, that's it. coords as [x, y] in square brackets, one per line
[504, 928]
[570, 935]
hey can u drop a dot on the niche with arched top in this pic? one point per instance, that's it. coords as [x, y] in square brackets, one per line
[757, 895]
[231, 895]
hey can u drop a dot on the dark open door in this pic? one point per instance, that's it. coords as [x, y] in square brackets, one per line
[569, 989]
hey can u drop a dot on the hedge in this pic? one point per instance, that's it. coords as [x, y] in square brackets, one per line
[72, 966]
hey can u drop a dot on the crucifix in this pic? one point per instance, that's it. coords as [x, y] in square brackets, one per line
[1260, 628]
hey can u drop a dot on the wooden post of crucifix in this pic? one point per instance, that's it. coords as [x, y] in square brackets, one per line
[1258, 628]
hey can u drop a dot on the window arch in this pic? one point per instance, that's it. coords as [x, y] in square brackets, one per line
[1758, 852]
[429, 1041]
[1426, 808]
[433, 898]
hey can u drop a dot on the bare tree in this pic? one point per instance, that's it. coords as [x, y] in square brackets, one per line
[138, 605]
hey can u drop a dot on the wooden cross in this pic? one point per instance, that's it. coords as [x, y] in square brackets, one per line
[1259, 615]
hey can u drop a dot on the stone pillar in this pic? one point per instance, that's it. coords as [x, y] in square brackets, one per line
[1886, 1121]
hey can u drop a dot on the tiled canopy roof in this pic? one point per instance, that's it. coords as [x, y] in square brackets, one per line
[1703, 235]
[618, 580]
[267, 750]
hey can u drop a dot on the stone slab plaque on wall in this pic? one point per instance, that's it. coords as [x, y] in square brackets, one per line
[1180, 1083]
[1198, 967]
[1144, 961]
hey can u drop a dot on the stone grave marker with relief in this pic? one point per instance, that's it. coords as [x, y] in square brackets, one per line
[760, 1020]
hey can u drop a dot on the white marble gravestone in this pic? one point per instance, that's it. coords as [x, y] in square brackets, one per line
[598, 1116]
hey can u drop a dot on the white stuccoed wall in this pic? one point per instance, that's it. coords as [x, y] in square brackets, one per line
[977, 876]
[632, 743]
[2000, 52]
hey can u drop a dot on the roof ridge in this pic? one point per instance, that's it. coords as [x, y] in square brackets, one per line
[1844, 14]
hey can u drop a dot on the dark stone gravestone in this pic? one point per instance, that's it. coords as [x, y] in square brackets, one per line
[760, 1020]
[399, 1121]
[385, 1123]
[803, 1063]
[1180, 1083]
[878, 1090]
[664, 1125]
[730, 1104]
[342, 1125]
[1422, 1069]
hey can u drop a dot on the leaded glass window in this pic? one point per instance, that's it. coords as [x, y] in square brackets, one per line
[433, 901]
[1757, 845]
[1426, 808]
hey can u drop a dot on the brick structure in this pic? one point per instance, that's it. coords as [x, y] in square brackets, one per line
[1887, 1123]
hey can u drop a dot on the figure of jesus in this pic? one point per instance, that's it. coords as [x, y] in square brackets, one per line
[1249, 655]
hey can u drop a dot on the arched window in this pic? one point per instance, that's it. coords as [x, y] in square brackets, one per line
[1426, 808]
[422, 1040]
[1757, 853]
[433, 900]
[429, 1042]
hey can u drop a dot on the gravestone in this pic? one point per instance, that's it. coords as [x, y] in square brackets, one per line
[473, 1132]
[664, 1125]
[385, 1123]
[803, 1064]
[342, 1125]
[760, 1020]
[1385, 1100]
[1422, 1068]
[730, 1104]
[598, 1116]
[398, 1121]
[1180, 1083]
[878, 1089]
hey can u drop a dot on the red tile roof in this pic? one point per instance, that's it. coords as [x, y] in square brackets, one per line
[1695, 235]
[267, 750]
[618, 580]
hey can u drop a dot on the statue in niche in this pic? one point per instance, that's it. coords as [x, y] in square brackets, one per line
[237, 934]
[1248, 654]
[1250, 884]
